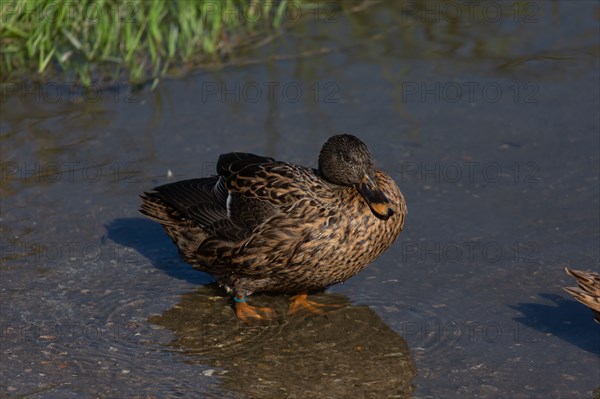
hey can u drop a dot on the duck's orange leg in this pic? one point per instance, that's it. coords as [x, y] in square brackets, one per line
[251, 314]
[301, 302]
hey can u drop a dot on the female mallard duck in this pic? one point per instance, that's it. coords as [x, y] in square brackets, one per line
[267, 226]
[588, 291]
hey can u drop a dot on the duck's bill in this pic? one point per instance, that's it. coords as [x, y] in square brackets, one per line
[378, 202]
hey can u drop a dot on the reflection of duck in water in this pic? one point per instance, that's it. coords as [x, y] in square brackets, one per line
[351, 353]
[588, 291]
[268, 226]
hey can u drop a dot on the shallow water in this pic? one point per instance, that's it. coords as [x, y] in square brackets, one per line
[490, 127]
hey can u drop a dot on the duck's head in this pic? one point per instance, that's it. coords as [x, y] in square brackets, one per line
[346, 161]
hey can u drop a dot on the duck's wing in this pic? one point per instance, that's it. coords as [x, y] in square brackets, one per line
[588, 291]
[249, 190]
[231, 163]
[202, 201]
[260, 188]
[262, 178]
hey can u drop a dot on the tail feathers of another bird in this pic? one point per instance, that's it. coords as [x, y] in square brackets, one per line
[588, 290]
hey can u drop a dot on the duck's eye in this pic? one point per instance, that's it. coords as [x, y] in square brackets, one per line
[346, 158]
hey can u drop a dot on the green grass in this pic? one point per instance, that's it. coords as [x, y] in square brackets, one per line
[134, 40]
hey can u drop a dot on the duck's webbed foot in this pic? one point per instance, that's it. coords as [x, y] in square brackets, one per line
[301, 302]
[251, 314]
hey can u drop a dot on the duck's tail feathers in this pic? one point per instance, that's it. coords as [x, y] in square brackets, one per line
[588, 290]
[158, 210]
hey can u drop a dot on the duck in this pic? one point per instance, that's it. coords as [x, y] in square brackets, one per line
[588, 290]
[266, 226]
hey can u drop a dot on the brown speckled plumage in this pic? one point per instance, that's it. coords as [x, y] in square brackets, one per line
[588, 290]
[268, 226]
